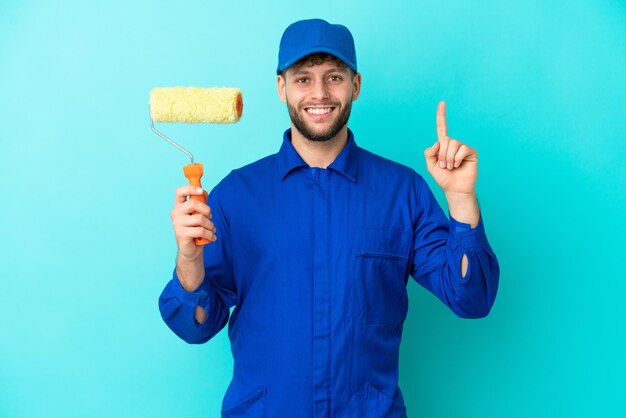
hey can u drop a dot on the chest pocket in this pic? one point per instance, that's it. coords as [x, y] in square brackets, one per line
[381, 266]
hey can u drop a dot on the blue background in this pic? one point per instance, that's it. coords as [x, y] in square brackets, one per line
[537, 87]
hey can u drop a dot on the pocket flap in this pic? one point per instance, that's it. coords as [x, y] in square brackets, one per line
[383, 242]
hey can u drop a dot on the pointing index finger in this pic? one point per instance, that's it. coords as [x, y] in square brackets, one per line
[442, 127]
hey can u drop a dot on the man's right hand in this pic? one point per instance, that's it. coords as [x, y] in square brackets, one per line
[191, 219]
[188, 225]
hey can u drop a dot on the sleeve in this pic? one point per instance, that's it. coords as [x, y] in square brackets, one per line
[216, 294]
[438, 247]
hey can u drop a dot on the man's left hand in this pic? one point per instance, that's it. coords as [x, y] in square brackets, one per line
[460, 161]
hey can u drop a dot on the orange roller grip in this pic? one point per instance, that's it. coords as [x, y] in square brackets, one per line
[194, 172]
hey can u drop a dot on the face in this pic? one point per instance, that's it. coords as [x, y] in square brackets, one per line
[319, 98]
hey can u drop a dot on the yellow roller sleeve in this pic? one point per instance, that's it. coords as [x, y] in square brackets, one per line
[196, 104]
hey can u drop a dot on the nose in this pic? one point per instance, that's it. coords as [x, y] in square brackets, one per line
[320, 91]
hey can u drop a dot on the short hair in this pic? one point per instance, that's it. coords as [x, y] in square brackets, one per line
[319, 58]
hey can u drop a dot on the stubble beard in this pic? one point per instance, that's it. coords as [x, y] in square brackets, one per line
[340, 121]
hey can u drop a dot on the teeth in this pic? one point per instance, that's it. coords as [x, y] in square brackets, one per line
[319, 110]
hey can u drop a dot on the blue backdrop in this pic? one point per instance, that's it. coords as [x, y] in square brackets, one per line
[537, 87]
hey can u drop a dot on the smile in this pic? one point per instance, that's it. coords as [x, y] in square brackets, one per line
[319, 113]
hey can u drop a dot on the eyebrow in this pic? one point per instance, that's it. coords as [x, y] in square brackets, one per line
[330, 70]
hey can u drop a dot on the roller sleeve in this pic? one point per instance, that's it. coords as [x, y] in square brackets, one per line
[196, 104]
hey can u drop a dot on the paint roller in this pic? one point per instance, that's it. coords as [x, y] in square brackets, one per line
[194, 105]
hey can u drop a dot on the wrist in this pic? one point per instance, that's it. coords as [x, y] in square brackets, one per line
[462, 201]
[190, 271]
[464, 207]
[460, 196]
[189, 280]
[189, 259]
[190, 287]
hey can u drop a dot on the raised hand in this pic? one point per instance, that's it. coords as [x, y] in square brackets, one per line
[453, 164]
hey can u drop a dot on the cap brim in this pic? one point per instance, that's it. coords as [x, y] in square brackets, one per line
[310, 51]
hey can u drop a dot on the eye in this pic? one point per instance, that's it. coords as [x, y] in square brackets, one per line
[335, 78]
[301, 80]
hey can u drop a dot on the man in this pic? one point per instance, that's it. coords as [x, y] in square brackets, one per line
[313, 247]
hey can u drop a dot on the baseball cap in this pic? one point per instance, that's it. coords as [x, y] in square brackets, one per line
[306, 37]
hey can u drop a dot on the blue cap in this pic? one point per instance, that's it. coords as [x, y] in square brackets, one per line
[306, 37]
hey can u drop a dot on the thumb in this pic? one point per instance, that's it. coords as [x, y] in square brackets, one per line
[430, 153]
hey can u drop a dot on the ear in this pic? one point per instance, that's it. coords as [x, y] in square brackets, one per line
[280, 86]
[356, 85]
